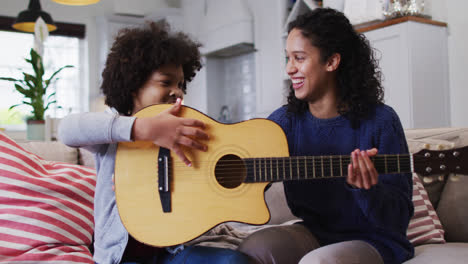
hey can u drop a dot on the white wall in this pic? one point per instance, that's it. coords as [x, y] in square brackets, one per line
[454, 13]
[458, 60]
[268, 19]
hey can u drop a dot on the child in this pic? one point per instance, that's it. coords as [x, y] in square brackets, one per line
[145, 66]
[335, 108]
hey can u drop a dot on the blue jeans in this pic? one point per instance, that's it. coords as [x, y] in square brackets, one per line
[199, 255]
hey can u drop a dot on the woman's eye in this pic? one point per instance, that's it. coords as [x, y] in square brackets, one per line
[299, 58]
[166, 83]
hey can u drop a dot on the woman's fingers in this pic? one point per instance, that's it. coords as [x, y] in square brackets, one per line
[364, 170]
[361, 170]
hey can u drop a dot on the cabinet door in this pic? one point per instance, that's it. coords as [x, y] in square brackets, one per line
[391, 49]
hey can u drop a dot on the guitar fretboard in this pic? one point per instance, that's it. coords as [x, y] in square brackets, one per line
[315, 167]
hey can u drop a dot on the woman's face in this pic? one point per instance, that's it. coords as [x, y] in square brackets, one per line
[309, 75]
[163, 86]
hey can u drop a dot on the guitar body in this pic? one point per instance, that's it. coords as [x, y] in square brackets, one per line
[200, 198]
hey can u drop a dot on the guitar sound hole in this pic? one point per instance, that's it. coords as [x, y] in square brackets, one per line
[230, 171]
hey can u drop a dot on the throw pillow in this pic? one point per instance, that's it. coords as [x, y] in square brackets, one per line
[46, 208]
[424, 227]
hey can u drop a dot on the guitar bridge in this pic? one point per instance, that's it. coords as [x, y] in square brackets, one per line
[164, 179]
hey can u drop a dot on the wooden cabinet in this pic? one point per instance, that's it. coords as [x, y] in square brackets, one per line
[413, 56]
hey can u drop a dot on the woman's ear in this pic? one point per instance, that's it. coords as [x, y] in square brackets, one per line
[333, 62]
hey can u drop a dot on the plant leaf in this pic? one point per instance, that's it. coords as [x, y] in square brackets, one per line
[13, 106]
[52, 94]
[9, 79]
[48, 81]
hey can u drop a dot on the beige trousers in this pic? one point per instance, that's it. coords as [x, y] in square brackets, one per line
[296, 244]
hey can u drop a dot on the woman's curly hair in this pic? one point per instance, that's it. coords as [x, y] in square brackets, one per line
[358, 75]
[136, 53]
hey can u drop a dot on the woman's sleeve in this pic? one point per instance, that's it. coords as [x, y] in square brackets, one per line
[92, 130]
[389, 203]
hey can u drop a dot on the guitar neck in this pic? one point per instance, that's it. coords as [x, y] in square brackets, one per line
[316, 167]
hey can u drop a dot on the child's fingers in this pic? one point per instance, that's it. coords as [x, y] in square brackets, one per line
[191, 143]
[194, 132]
[176, 107]
[179, 152]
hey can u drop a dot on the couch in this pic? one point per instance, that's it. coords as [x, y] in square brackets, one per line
[448, 195]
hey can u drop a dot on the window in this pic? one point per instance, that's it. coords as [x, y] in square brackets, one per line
[71, 86]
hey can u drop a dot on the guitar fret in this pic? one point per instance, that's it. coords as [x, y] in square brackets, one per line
[284, 166]
[313, 167]
[321, 159]
[261, 169]
[398, 162]
[305, 163]
[271, 169]
[290, 169]
[277, 170]
[331, 166]
[298, 166]
[385, 161]
[341, 167]
[255, 170]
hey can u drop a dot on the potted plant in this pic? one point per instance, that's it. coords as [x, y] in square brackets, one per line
[34, 87]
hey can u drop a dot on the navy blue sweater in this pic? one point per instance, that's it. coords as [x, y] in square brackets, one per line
[331, 209]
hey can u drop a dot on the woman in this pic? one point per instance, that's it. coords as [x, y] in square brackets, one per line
[335, 107]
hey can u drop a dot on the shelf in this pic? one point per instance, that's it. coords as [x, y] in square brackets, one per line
[373, 25]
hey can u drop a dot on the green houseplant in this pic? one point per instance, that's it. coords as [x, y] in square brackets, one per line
[34, 87]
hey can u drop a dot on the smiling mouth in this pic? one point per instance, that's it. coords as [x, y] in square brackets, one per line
[297, 83]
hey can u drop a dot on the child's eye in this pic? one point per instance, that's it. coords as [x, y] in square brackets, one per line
[299, 58]
[287, 59]
[166, 83]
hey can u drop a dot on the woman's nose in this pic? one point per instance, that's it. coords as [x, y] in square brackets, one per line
[290, 68]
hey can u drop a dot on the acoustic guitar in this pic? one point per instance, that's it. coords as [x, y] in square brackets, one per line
[162, 202]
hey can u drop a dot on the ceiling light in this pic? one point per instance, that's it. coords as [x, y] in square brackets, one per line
[27, 18]
[76, 2]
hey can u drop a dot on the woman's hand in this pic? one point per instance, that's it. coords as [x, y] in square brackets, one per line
[361, 171]
[170, 131]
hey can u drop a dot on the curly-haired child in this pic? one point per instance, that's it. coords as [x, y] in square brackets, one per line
[145, 66]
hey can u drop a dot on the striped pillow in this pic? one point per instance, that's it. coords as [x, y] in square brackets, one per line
[46, 208]
[424, 227]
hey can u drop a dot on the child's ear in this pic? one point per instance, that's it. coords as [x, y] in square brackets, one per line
[333, 62]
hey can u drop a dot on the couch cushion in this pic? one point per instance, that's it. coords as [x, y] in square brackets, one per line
[277, 205]
[453, 208]
[52, 150]
[424, 227]
[86, 158]
[46, 208]
[449, 253]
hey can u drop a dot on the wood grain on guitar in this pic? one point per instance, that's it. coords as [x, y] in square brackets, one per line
[227, 182]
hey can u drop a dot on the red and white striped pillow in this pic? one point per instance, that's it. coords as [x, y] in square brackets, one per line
[424, 227]
[46, 208]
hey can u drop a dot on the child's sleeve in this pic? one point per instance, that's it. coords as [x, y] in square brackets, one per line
[91, 130]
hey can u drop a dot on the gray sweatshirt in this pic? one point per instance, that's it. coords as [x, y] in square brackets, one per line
[100, 133]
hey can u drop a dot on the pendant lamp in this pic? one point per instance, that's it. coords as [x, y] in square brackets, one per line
[76, 2]
[27, 18]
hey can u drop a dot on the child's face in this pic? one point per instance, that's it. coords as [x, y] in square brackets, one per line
[163, 86]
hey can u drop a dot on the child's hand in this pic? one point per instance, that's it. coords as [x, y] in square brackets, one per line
[361, 172]
[170, 131]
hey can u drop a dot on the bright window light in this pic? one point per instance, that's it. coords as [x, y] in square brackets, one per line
[58, 51]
